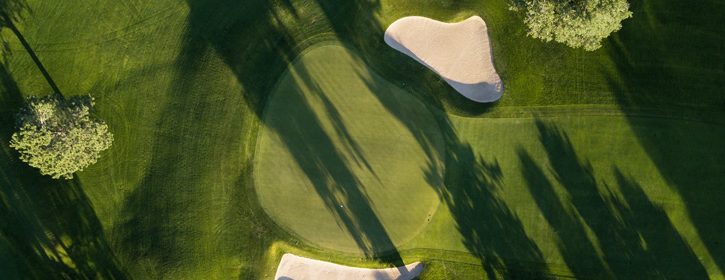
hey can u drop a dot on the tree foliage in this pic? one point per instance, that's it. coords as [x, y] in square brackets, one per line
[58, 136]
[576, 23]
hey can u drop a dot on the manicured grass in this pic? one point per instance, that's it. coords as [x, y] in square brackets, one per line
[571, 192]
[580, 193]
[167, 195]
[183, 84]
[336, 163]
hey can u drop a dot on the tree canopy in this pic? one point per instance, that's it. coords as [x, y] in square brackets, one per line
[58, 136]
[576, 23]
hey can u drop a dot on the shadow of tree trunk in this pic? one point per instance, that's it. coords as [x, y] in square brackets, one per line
[48, 228]
[8, 22]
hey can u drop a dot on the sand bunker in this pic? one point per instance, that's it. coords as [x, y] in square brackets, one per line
[458, 52]
[299, 268]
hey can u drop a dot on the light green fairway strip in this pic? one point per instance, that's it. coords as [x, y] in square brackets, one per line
[335, 162]
[583, 189]
[574, 194]
[183, 84]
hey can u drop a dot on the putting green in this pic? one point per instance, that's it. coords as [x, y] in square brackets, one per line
[336, 161]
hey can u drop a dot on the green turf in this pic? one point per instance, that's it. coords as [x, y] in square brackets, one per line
[578, 192]
[571, 193]
[182, 85]
[336, 148]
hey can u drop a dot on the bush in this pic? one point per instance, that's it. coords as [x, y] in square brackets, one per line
[576, 23]
[58, 136]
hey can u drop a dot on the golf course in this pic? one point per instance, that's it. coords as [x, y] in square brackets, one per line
[248, 130]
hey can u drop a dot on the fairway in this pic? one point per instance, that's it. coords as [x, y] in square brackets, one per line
[351, 163]
[244, 130]
[578, 192]
[335, 163]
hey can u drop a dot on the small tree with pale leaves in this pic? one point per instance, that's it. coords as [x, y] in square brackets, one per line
[58, 136]
[576, 23]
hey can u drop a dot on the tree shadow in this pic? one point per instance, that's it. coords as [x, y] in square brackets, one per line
[669, 60]
[161, 220]
[469, 185]
[332, 178]
[669, 55]
[329, 170]
[10, 11]
[256, 41]
[600, 234]
[48, 228]
[577, 250]
[249, 36]
[670, 255]
[491, 231]
[252, 39]
[256, 60]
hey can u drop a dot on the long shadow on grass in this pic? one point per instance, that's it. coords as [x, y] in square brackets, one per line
[669, 60]
[10, 11]
[256, 40]
[330, 173]
[252, 39]
[165, 220]
[158, 215]
[602, 235]
[8, 22]
[469, 185]
[48, 228]
[172, 221]
[491, 231]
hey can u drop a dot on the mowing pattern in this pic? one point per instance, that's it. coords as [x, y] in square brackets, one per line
[181, 84]
[335, 163]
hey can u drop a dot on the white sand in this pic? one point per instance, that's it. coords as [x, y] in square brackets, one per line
[298, 268]
[458, 52]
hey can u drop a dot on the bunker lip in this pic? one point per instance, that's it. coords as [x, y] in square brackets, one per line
[459, 52]
[299, 268]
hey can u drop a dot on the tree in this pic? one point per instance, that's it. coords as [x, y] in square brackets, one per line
[576, 23]
[58, 136]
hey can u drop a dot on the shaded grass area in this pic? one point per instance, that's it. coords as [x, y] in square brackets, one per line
[629, 229]
[326, 134]
[183, 83]
[49, 229]
[685, 67]
[520, 195]
[198, 227]
[606, 208]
